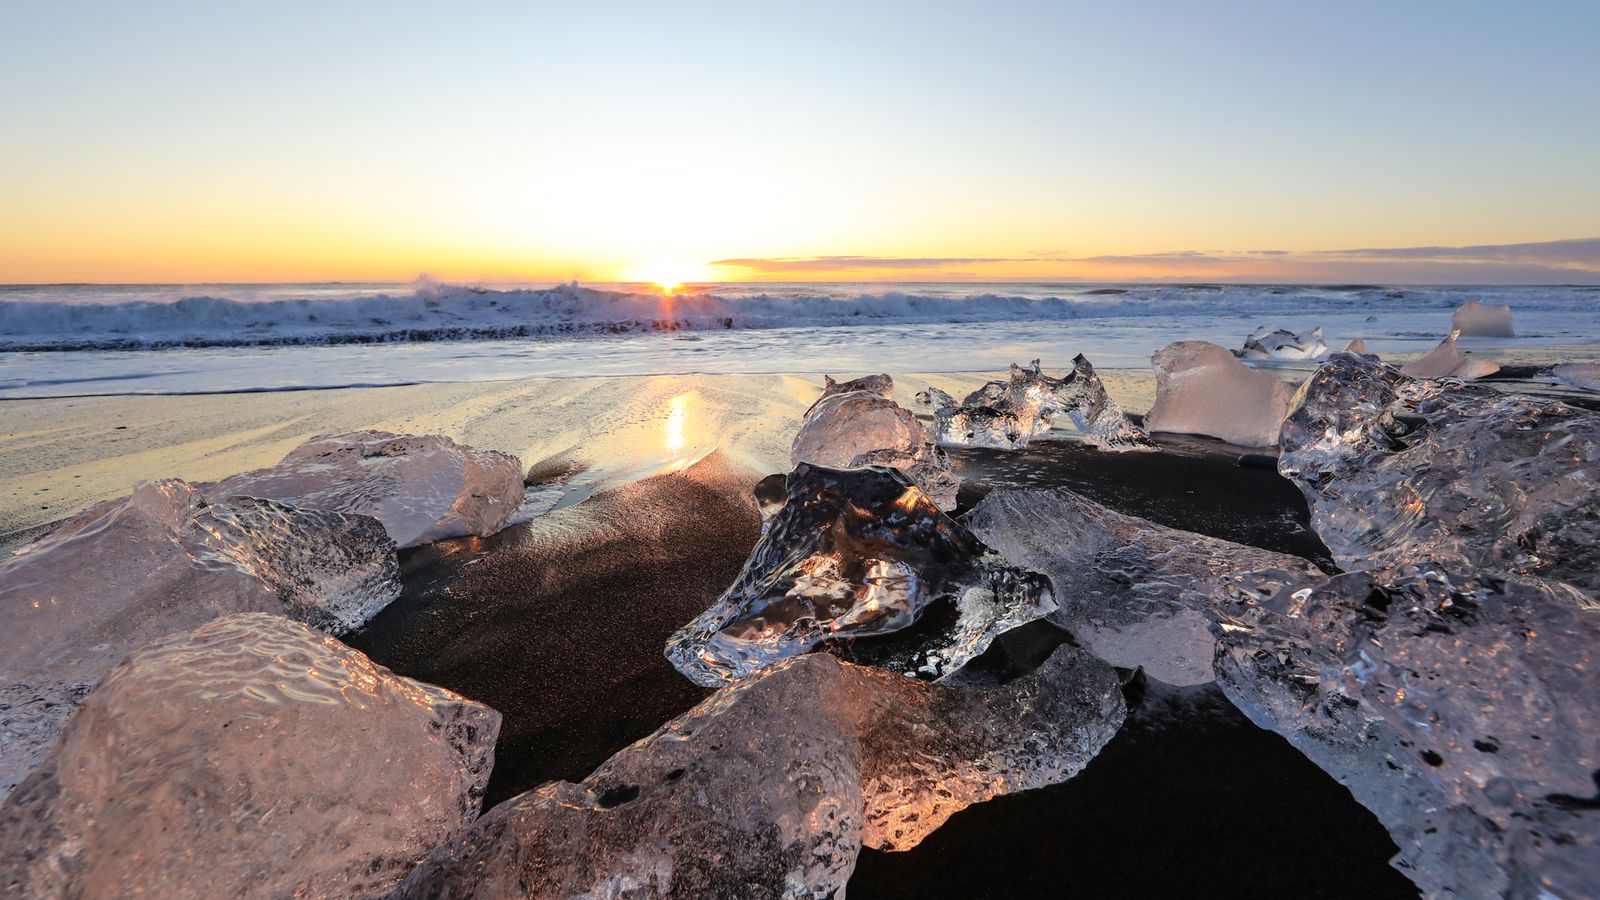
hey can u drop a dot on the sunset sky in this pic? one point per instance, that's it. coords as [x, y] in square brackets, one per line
[190, 142]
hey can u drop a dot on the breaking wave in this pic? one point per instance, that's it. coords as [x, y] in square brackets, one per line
[442, 312]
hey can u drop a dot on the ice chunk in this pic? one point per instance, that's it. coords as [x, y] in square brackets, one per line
[1445, 361]
[1283, 344]
[1397, 469]
[857, 428]
[768, 788]
[1133, 592]
[252, 757]
[1008, 414]
[1464, 712]
[1580, 375]
[857, 554]
[127, 571]
[1473, 319]
[882, 385]
[1357, 346]
[421, 487]
[1201, 388]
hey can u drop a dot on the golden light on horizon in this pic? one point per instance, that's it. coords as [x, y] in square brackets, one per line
[670, 275]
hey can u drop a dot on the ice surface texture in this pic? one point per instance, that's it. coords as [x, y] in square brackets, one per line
[860, 560]
[1446, 361]
[1473, 319]
[1581, 375]
[1133, 592]
[421, 487]
[127, 571]
[1464, 712]
[1398, 469]
[1006, 415]
[768, 788]
[251, 757]
[856, 424]
[1201, 388]
[1284, 344]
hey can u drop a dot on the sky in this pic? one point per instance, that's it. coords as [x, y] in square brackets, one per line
[1226, 141]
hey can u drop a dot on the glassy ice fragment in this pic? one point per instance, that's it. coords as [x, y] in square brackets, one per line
[1398, 469]
[861, 561]
[769, 787]
[1201, 388]
[422, 488]
[1463, 711]
[247, 757]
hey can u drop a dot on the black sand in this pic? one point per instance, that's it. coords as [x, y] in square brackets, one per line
[560, 625]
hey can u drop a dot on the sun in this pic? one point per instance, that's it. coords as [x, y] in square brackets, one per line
[670, 275]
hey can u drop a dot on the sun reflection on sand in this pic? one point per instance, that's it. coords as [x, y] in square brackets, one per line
[677, 412]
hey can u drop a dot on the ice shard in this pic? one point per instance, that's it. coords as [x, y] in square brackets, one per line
[1201, 388]
[247, 757]
[850, 429]
[421, 487]
[1398, 469]
[1579, 375]
[882, 385]
[162, 559]
[1473, 319]
[1284, 344]
[1357, 346]
[1007, 415]
[862, 562]
[1446, 361]
[1463, 711]
[769, 788]
[1134, 593]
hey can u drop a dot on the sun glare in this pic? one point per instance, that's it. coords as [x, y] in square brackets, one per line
[670, 276]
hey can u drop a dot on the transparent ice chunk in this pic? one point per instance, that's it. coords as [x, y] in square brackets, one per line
[247, 757]
[162, 559]
[1133, 592]
[1007, 415]
[421, 487]
[1463, 711]
[1473, 319]
[1446, 361]
[1398, 469]
[849, 429]
[770, 787]
[1201, 388]
[861, 561]
[1580, 375]
[1284, 344]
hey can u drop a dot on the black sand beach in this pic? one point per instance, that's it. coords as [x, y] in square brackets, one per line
[560, 625]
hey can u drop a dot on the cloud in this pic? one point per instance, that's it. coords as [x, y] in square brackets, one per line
[1576, 260]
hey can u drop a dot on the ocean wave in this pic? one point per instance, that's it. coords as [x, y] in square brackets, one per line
[447, 312]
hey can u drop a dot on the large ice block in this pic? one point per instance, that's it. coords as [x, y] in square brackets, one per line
[421, 487]
[127, 571]
[1398, 469]
[1473, 319]
[768, 788]
[860, 561]
[1201, 388]
[1446, 361]
[1284, 344]
[1133, 592]
[1580, 375]
[848, 429]
[247, 757]
[1463, 711]
[1007, 415]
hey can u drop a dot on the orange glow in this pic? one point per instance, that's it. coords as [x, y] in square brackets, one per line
[672, 275]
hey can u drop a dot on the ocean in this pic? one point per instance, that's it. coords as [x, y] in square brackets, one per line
[70, 340]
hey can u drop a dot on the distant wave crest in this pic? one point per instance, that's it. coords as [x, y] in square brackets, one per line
[445, 312]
